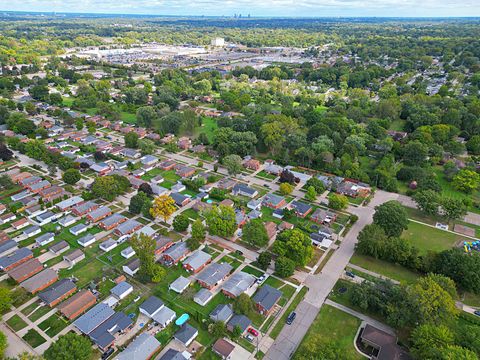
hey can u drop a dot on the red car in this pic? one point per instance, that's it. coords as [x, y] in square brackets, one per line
[253, 331]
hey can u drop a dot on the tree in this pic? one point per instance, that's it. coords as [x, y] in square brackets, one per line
[193, 244]
[131, 140]
[198, 230]
[110, 186]
[5, 300]
[466, 180]
[146, 146]
[137, 202]
[454, 352]
[287, 177]
[221, 221]
[144, 247]
[237, 331]
[243, 304]
[473, 145]
[337, 201]
[392, 217]
[69, 347]
[452, 209]
[264, 259]
[5, 153]
[295, 245]
[311, 194]
[428, 341]
[71, 176]
[284, 267]
[146, 188]
[427, 201]
[99, 156]
[146, 116]
[233, 163]
[3, 344]
[371, 241]
[163, 206]
[217, 329]
[255, 234]
[180, 222]
[415, 153]
[285, 188]
[317, 184]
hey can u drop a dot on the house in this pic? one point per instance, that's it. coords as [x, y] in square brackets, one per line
[7, 218]
[173, 354]
[179, 285]
[142, 348]
[135, 182]
[2, 208]
[244, 190]
[203, 296]
[273, 201]
[385, 344]
[39, 186]
[112, 221]
[7, 247]
[93, 318]
[175, 253]
[352, 189]
[84, 208]
[184, 143]
[25, 270]
[167, 165]
[151, 306]
[157, 179]
[254, 204]
[325, 231]
[132, 267]
[252, 164]
[52, 193]
[45, 239]
[285, 226]
[241, 321]
[34, 210]
[186, 334]
[128, 252]
[68, 203]
[320, 240]
[272, 168]
[301, 209]
[108, 245]
[32, 231]
[67, 221]
[184, 171]
[197, 261]
[87, 240]
[164, 317]
[59, 247]
[40, 281]
[46, 218]
[99, 213]
[78, 229]
[238, 284]
[223, 348]
[128, 227]
[162, 244]
[322, 216]
[130, 153]
[278, 213]
[198, 149]
[77, 304]
[222, 312]
[178, 187]
[20, 224]
[149, 160]
[227, 203]
[214, 274]
[20, 195]
[271, 228]
[57, 292]
[74, 257]
[25, 182]
[105, 334]
[265, 299]
[226, 184]
[121, 290]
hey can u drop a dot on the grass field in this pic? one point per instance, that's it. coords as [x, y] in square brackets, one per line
[33, 338]
[427, 238]
[208, 127]
[392, 271]
[16, 323]
[333, 325]
[281, 323]
[53, 325]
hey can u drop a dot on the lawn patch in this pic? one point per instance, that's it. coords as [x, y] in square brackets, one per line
[389, 270]
[33, 338]
[16, 323]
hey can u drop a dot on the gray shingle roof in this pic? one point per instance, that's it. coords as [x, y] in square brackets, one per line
[141, 348]
[186, 333]
[241, 320]
[14, 257]
[214, 273]
[119, 289]
[164, 315]
[151, 305]
[36, 281]
[177, 250]
[238, 283]
[222, 312]
[197, 259]
[93, 318]
[55, 291]
[267, 296]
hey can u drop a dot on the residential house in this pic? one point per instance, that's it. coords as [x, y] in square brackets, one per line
[86, 240]
[184, 143]
[77, 304]
[222, 312]
[197, 261]
[266, 298]
[226, 184]
[78, 229]
[121, 290]
[74, 257]
[67, 221]
[184, 171]
[45, 239]
[128, 227]
[173, 354]
[100, 168]
[99, 213]
[164, 317]
[178, 187]
[93, 318]
[128, 252]
[203, 296]
[108, 245]
[238, 284]
[84, 208]
[151, 306]
[59, 247]
[20, 224]
[106, 333]
[241, 321]
[223, 348]
[32, 231]
[385, 344]
[39, 186]
[322, 216]
[130, 153]
[214, 275]
[180, 199]
[132, 267]
[112, 221]
[57, 292]
[176, 253]
[273, 201]
[252, 164]
[25, 270]
[301, 209]
[40, 281]
[70, 202]
[167, 165]
[7, 247]
[144, 347]
[320, 240]
[46, 217]
[186, 334]
[244, 190]
[6, 218]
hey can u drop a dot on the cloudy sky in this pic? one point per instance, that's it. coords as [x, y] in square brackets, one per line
[311, 8]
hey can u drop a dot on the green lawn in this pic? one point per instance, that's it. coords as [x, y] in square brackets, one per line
[53, 325]
[41, 311]
[332, 325]
[427, 238]
[293, 305]
[33, 338]
[393, 271]
[250, 270]
[208, 127]
[16, 323]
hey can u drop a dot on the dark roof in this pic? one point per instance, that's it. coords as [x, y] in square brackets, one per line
[14, 257]
[223, 347]
[173, 354]
[301, 207]
[241, 320]
[152, 304]
[267, 296]
[385, 342]
[177, 251]
[103, 335]
[185, 333]
[93, 318]
[57, 290]
[178, 198]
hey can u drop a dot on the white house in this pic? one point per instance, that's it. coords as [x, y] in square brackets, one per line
[45, 239]
[128, 252]
[121, 290]
[87, 240]
[108, 245]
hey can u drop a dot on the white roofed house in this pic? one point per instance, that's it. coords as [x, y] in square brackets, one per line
[122, 290]
[132, 266]
[45, 239]
[108, 245]
[86, 240]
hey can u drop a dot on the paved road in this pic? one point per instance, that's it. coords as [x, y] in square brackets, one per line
[16, 345]
[321, 285]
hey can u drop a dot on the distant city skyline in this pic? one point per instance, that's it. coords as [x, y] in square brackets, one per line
[282, 8]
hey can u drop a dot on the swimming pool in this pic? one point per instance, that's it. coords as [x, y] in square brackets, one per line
[209, 201]
[182, 319]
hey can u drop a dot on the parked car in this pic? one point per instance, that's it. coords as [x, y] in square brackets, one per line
[350, 274]
[238, 252]
[477, 312]
[261, 279]
[253, 331]
[291, 317]
[249, 338]
[107, 353]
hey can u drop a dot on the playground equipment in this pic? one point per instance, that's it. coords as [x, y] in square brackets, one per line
[469, 246]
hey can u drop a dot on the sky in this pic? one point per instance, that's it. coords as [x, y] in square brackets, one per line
[287, 8]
